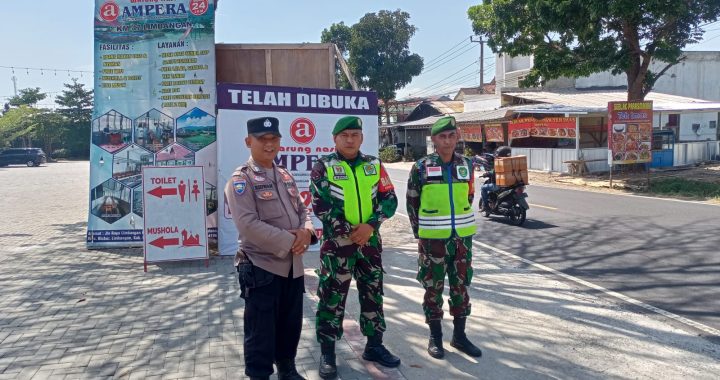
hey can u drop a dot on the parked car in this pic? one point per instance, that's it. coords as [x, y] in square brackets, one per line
[22, 156]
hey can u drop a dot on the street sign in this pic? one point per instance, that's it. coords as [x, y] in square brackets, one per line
[174, 209]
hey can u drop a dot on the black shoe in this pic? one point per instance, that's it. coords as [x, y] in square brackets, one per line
[435, 344]
[287, 371]
[328, 368]
[376, 352]
[460, 340]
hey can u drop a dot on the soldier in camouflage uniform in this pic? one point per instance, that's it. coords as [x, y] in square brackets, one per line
[352, 196]
[439, 198]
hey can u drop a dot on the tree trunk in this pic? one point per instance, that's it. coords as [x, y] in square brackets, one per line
[635, 87]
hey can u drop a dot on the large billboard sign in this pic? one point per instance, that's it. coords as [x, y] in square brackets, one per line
[307, 117]
[155, 101]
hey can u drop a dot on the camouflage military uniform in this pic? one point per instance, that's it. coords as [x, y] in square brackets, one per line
[341, 259]
[438, 257]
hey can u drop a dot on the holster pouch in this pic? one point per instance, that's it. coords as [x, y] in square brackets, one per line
[251, 277]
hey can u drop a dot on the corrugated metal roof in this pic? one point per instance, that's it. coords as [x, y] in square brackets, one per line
[448, 106]
[460, 117]
[600, 99]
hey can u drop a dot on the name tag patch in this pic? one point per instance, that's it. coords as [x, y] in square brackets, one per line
[339, 172]
[263, 186]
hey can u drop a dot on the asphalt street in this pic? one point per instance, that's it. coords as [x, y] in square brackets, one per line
[664, 253]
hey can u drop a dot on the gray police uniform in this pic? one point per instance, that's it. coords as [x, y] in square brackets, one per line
[265, 205]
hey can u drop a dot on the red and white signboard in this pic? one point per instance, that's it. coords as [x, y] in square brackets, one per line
[174, 209]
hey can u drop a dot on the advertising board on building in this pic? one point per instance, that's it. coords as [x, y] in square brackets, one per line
[494, 133]
[154, 106]
[307, 117]
[549, 127]
[470, 132]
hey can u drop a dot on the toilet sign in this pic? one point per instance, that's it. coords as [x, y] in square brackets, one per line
[174, 210]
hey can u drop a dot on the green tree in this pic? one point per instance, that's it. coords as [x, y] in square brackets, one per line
[575, 38]
[27, 97]
[76, 104]
[16, 126]
[379, 53]
[339, 34]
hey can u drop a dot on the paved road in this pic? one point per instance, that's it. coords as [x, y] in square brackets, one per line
[662, 252]
[70, 313]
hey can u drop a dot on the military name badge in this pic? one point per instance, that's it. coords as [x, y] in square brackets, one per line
[339, 172]
[463, 172]
[239, 185]
[369, 170]
[433, 171]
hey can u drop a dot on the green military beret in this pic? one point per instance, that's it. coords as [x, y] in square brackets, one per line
[445, 123]
[347, 122]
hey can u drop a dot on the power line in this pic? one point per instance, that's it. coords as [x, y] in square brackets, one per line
[447, 51]
[447, 60]
[449, 76]
[443, 83]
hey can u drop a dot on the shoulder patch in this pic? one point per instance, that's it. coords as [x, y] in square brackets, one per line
[239, 184]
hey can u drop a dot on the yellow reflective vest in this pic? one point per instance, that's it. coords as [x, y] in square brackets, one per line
[444, 204]
[355, 187]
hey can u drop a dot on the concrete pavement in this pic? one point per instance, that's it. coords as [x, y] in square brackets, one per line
[68, 313]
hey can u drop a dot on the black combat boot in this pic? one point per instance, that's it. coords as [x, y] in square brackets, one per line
[376, 352]
[287, 371]
[460, 340]
[435, 345]
[328, 368]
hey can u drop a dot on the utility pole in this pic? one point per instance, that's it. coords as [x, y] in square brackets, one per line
[482, 61]
[14, 80]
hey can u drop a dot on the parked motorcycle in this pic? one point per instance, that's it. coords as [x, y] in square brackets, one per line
[507, 201]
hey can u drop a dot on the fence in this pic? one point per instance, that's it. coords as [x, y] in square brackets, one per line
[694, 152]
[550, 160]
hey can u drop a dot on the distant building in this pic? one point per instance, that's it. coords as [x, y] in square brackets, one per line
[695, 77]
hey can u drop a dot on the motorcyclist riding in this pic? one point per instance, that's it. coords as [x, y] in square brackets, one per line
[485, 189]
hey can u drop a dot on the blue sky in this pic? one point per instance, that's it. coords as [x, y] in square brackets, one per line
[59, 35]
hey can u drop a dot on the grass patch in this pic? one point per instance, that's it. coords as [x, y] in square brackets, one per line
[685, 188]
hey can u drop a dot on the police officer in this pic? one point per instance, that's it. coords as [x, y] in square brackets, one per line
[275, 230]
[352, 196]
[439, 198]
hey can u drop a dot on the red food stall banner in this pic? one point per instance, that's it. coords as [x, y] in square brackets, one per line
[551, 127]
[494, 133]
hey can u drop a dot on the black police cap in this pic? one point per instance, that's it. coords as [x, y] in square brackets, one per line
[263, 125]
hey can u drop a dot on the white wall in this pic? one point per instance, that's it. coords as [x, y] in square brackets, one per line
[481, 102]
[696, 77]
[687, 120]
